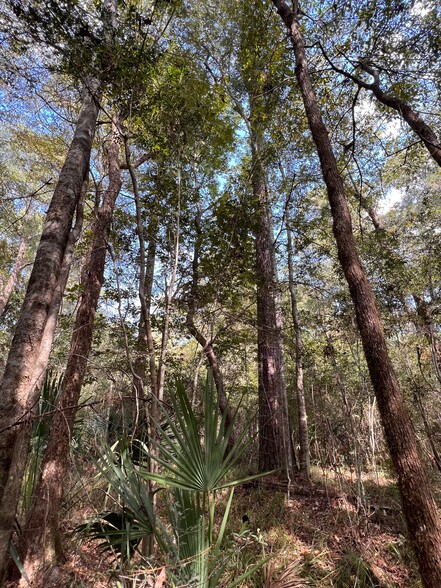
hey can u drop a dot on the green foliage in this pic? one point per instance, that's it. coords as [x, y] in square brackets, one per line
[197, 467]
[40, 433]
[353, 571]
[118, 531]
[194, 461]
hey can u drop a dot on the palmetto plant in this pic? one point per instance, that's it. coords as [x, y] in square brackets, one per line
[40, 433]
[197, 463]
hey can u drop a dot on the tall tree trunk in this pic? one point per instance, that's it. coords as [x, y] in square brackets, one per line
[41, 533]
[275, 447]
[418, 503]
[18, 394]
[145, 287]
[11, 282]
[51, 323]
[300, 390]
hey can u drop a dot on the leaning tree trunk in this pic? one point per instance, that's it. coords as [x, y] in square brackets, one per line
[11, 282]
[418, 503]
[275, 448]
[18, 394]
[42, 545]
[300, 389]
[51, 323]
[413, 119]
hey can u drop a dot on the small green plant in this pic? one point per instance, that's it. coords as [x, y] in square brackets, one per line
[118, 532]
[40, 434]
[196, 464]
[354, 572]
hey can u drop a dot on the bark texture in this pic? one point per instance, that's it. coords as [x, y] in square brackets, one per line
[41, 534]
[304, 460]
[18, 394]
[54, 310]
[275, 448]
[13, 276]
[418, 503]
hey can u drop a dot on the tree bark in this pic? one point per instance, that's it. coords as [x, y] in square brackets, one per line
[275, 447]
[41, 533]
[13, 276]
[146, 347]
[418, 503]
[300, 390]
[18, 394]
[54, 310]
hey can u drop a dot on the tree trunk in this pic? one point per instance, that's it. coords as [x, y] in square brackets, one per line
[418, 503]
[300, 390]
[13, 277]
[51, 323]
[424, 311]
[169, 295]
[19, 396]
[41, 534]
[275, 448]
[145, 287]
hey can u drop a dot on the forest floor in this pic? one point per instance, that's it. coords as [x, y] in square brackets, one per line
[321, 535]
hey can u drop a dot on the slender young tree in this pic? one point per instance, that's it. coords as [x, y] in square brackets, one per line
[300, 388]
[418, 503]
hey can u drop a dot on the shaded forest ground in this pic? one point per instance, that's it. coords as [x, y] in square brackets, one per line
[335, 543]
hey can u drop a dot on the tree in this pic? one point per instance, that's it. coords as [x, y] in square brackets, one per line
[18, 386]
[394, 37]
[42, 523]
[19, 390]
[299, 386]
[418, 502]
